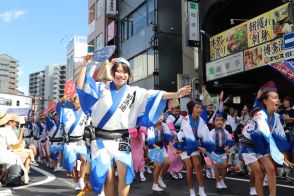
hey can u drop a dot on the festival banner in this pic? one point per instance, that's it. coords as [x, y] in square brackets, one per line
[270, 52]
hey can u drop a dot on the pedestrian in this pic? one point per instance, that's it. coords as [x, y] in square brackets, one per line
[116, 108]
[194, 138]
[8, 139]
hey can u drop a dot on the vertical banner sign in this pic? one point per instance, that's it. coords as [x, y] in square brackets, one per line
[192, 23]
[70, 89]
[111, 7]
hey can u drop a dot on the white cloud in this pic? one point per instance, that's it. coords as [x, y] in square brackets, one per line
[11, 15]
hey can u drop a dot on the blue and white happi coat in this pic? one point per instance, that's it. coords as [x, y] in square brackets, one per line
[221, 140]
[267, 135]
[39, 131]
[176, 120]
[193, 135]
[55, 131]
[111, 110]
[159, 137]
[73, 122]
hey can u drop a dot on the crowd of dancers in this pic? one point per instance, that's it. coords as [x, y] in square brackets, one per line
[110, 128]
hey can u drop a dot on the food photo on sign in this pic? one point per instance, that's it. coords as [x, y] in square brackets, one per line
[280, 22]
[237, 39]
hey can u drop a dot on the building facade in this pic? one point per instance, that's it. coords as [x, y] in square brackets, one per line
[102, 23]
[76, 50]
[55, 78]
[152, 38]
[37, 91]
[8, 74]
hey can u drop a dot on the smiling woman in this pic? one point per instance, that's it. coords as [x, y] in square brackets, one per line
[114, 108]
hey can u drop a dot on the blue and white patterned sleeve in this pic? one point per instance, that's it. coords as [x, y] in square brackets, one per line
[279, 135]
[204, 134]
[86, 101]
[168, 137]
[150, 106]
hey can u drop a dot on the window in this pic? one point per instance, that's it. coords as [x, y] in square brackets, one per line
[150, 8]
[17, 103]
[139, 19]
[91, 14]
[134, 23]
[6, 102]
[99, 41]
[124, 30]
[139, 66]
[150, 60]
[99, 8]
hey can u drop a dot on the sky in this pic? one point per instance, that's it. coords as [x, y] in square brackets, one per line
[36, 32]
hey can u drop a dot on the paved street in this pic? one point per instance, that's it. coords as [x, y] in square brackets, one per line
[45, 182]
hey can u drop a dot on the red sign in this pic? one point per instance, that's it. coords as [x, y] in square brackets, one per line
[70, 89]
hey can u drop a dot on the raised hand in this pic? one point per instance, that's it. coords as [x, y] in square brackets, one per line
[186, 90]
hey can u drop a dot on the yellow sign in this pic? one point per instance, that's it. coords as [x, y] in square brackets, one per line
[268, 53]
[259, 29]
[256, 31]
[228, 42]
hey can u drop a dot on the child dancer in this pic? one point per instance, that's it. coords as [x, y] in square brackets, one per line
[158, 137]
[194, 138]
[223, 142]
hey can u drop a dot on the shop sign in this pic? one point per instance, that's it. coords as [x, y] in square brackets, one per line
[225, 66]
[268, 53]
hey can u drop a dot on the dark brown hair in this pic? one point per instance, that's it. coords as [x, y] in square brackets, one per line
[191, 105]
[124, 66]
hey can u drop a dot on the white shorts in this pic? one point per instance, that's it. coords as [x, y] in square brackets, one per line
[184, 155]
[252, 157]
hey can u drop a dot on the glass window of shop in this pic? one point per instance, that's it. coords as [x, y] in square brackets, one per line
[99, 41]
[99, 8]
